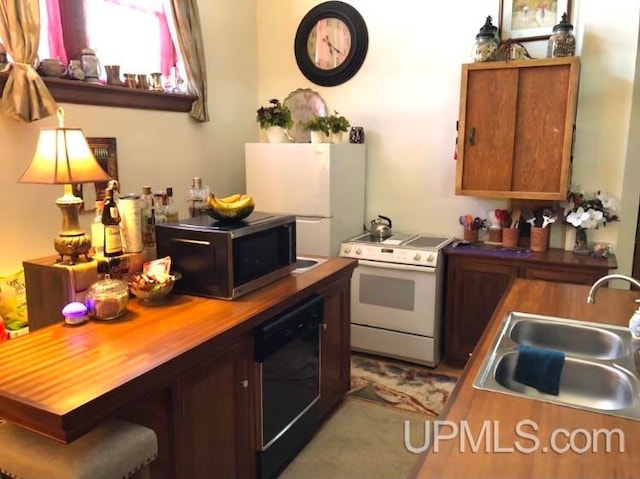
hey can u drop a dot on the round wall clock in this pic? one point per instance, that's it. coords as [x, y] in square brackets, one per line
[331, 43]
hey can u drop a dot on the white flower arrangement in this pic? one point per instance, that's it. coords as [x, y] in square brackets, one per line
[590, 212]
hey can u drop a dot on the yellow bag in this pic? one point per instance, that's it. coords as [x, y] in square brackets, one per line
[13, 301]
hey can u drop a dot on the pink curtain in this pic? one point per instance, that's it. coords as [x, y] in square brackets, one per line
[56, 40]
[168, 56]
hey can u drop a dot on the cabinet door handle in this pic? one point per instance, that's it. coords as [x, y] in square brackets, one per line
[324, 325]
[472, 136]
[245, 383]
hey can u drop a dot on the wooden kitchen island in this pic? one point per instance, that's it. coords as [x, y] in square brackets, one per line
[185, 369]
[497, 456]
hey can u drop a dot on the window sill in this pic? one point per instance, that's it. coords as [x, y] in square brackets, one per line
[74, 91]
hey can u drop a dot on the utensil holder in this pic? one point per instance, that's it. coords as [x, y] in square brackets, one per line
[539, 239]
[470, 235]
[510, 237]
[495, 235]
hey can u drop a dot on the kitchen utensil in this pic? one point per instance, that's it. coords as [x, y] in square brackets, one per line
[477, 224]
[494, 221]
[380, 227]
[529, 217]
[469, 220]
[548, 217]
[463, 221]
[515, 218]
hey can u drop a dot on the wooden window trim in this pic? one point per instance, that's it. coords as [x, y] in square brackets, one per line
[74, 91]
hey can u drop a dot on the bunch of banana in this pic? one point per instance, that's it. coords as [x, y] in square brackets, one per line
[236, 206]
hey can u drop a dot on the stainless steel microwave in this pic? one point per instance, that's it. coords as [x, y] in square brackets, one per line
[228, 260]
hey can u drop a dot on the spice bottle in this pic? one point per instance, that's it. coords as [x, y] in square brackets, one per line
[171, 212]
[148, 218]
[562, 43]
[197, 198]
[485, 48]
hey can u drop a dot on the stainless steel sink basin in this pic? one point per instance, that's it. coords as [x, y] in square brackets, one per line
[599, 372]
[573, 337]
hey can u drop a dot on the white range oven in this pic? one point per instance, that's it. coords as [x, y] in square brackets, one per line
[397, 295]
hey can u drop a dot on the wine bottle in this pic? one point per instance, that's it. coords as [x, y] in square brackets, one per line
[111, 221]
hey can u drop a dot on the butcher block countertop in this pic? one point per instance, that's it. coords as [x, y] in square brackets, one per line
[498, 454]
[62, 381]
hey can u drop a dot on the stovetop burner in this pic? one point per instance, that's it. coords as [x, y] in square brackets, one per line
[403, 248]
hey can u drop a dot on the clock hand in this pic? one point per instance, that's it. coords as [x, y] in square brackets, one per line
[330, 45]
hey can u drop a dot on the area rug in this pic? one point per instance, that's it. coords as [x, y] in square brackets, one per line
[399, 385]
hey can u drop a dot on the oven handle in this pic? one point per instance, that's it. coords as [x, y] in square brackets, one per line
[401, 267]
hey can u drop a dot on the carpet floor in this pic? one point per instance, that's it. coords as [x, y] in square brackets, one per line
[365, 436]
[360, 440]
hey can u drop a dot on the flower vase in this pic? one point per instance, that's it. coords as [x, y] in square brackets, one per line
[276, 134]
[337, 137]
[319, 137]
[581, 244]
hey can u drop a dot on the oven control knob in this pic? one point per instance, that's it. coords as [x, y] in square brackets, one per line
[430, 258]
[347, 249]
[358, 250]
[417, 257]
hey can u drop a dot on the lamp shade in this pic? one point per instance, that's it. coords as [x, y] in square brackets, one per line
[63, 157]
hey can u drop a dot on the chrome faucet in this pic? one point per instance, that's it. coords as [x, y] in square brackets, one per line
[605, 279]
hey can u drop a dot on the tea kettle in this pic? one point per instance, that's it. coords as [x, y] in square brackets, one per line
[380, 227]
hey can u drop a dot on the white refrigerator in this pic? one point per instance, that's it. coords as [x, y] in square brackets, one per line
[322, 184]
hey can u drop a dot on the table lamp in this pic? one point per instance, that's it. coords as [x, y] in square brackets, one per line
[63, 157]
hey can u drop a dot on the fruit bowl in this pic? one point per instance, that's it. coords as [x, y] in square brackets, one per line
[228, 216]
[149, 291]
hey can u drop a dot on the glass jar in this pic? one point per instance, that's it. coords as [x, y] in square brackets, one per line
[562, 43]
[107, 298]
[485, 48]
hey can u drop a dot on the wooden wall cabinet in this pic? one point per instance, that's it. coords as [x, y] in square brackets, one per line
[516, 128]
[476, 284]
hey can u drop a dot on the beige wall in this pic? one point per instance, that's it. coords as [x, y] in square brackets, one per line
[406, 96]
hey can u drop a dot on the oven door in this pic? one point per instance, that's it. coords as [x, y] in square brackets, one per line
[396, 297]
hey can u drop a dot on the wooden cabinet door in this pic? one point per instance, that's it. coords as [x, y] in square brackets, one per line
[474, 289]
[487, 124]
[516, 128]
[335, 346]
[214, 417]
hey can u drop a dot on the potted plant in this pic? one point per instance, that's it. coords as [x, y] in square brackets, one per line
[319, 128]
[274, 119]
[338, 125]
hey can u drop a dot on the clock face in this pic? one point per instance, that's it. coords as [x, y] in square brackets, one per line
[329, 43]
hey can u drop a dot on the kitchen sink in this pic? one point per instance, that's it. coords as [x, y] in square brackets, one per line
[599, 372]
[304, 264]
[572, 337]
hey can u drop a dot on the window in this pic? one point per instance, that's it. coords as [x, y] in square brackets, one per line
[134, 34]
[131, 33]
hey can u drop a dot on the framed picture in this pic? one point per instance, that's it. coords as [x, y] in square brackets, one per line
[528, 20]
[104, 149]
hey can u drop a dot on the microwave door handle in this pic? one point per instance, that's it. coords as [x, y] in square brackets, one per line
[198, 242]
[400, 267]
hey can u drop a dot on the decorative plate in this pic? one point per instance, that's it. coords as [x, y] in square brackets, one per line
[304, 104]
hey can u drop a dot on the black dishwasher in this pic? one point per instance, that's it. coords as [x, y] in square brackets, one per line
[288, 369]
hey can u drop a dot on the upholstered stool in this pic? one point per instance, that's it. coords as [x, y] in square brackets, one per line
[113, 450]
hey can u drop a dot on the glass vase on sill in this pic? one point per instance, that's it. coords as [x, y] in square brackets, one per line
[581, 244]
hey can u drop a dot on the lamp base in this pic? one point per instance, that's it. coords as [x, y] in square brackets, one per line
[71, 241]
[72, 246]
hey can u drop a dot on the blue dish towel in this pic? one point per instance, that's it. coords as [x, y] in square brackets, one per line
[539, 368]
